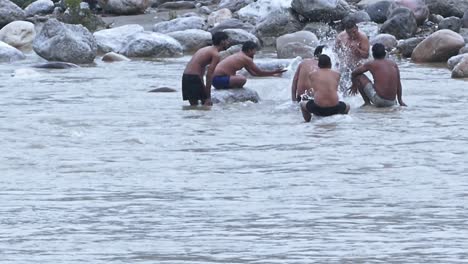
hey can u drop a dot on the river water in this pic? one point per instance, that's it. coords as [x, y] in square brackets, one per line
[97, 170]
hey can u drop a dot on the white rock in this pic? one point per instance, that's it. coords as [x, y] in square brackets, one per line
[192, 39]
[10, 12]
[180, 24]
[124, 7]
[151, 44]
[234, 96]
[115, 39]
[9, 53]
[19, 34]
[239, 36]
[219, 16]
[40, 7]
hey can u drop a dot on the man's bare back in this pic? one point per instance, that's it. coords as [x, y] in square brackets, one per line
[232, 64]
[200, 60]
[386, 77]
[301, 82]
[324, 83]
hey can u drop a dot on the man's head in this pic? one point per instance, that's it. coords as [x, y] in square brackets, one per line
[220, 39]
[351, 29]
[378, 51]
[249, 48]
[318, 51]
[324, 62]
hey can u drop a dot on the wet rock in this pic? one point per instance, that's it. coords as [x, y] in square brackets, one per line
[407, 46]
[233, 23]
[448, 8]
[452, 23]
[465, 20]
[163, 90]
[219, 16]
[464, 33]
[177, 5]
[115, 39]
[292, 50]
[278, 23]
[321, 10]
[114, 57]
[124, 7]
[10, 12]
[64, 42]
[389, 41]
[56, 65]
[240, 36]
[371, 29]
[19, 34]
[363, 4]
[305, 37]
[234, 5]
[320, 29]
[151, 44]
[455, 60]
[401, 24]
[438, 47]
[461, 69]
[9, 53]
[192, 39]
[434, 18]
[357, 17]
[418, 7]
[463, 50]
[233, 49]
[378, 11]
[40, 7]
[234, 96]
[180, 24]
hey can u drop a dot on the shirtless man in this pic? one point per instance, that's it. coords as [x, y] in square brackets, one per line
[193, 88]
[301, 82]
[225, 73]
[324, 83]
[386, 76]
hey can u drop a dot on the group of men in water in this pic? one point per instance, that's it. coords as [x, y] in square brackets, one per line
[315, 85]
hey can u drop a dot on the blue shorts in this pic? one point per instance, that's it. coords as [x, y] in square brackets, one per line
[221, 82]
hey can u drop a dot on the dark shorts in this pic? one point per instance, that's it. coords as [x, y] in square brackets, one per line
[193, 88]
[221, 82]
[340, 108]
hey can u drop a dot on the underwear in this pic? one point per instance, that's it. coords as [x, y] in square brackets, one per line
[375, 99]
[221, 82]
[340, 108]
[193, 88]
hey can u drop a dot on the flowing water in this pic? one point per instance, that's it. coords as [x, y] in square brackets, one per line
[96, 170]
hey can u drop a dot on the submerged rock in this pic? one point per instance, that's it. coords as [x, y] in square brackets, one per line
[192, 39]
[234, 96]
[9, 53]
[438, 47]
[461, 69]
[19, 34]
[179, 24]
[56, 65]
[163, 90]
[10, 12]
[114, 57]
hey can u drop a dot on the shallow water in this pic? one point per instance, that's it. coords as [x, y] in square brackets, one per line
[97, 170]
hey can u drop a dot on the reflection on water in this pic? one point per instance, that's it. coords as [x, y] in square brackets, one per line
[95, 169]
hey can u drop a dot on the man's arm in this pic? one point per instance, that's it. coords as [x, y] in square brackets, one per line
[363, 49]
[255, 71]
[294, 83]
[209, 74]
[399, 92]
[360, 70]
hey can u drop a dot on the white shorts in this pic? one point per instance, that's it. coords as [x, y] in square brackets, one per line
[375, 99]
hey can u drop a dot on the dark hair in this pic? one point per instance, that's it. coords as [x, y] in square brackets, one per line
[218, 37]
[324, 61]
[318, 50]
[349, 24]
[249, 45]
[378, 51]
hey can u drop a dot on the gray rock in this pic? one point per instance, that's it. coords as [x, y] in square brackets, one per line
[401, 24]
[55, 65]
[452, 23]
[321, 10]
[463, 50]
[40, 7]
[240, 36]
[10, 12]
[115, 39]
[357, 17]
[234, 96]
[124, 7]
[278, 23]
[234, 5]
[438, 47]
[461, 69]
[389, 41]
[192, 39]
[114, 57]
[294, 49]
[464, 33]
[434, 18]
[9, 53]
[163, 90]
[64, 42]
[180, 24]
[378, 11]
[304, 37]
[465, 20]
[371, 29]
[19, 34]
[363, 4]
[418, 7]
[233, 23]
[406, 47]
[177, 5]
[320, 29]
[151, 44]
[219, 16]
[448, 8]
[453, 61]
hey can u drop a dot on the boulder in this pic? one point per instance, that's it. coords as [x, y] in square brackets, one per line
[19, 34]
[115, 39]
[114, 57]
[294, 49]
[453, 61]
[320, 29]
[363, 4]
[389, 41]
[304, 37]
[259, 9]
[233, 23]
[465, 20]
[180, 24]
[9, 53]
[463, 50]
[438, 47]
[278, 23]
[151, 44]
[371, 29]
[401, 24]
[40, 7]
[464, 33]
[124, 7]
[10, 12]
[357, 17]
[452, 23]
[461, 69]
[233, 49]
[192, 39]
[234, 96]
[447, 8]
[234, 5]
[219, 16]
[240, 36]
[64, 42]
[177, 5]
[321, 10]
[407, 46]
[378, 11]
[418, 7]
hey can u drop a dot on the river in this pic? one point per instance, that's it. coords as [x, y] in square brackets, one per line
[97, 170]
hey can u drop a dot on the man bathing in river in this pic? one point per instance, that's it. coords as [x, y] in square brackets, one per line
[301, 82]
[386, 76]
[225, 73]
[324, 83]
[193, 88]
